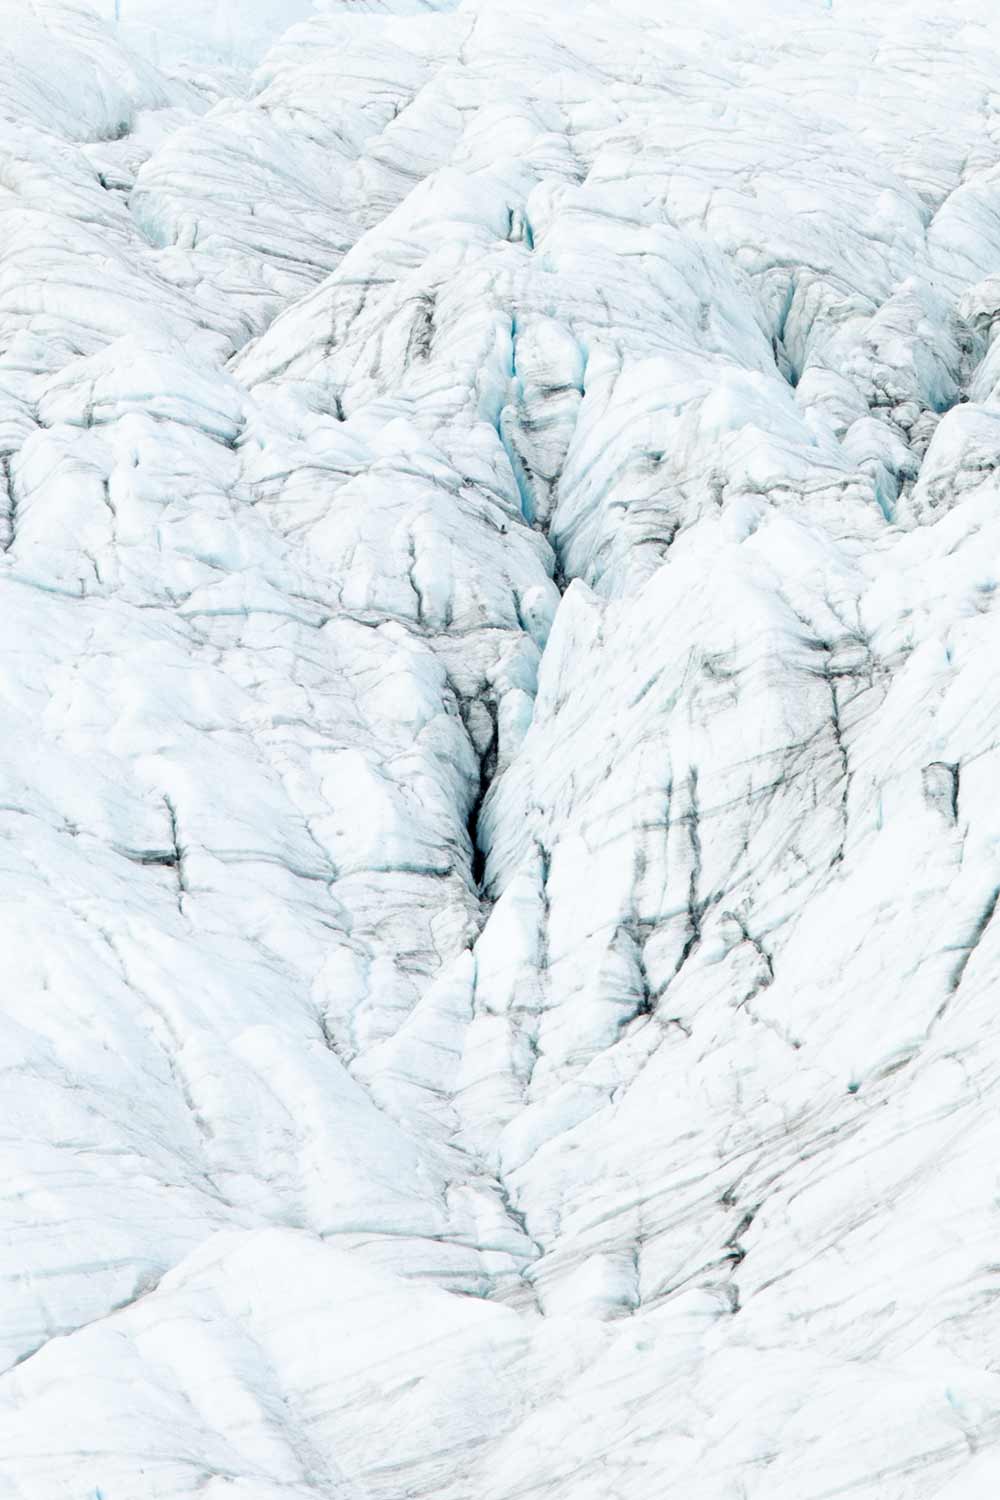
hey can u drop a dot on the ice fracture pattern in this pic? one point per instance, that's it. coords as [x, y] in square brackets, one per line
[500, 750]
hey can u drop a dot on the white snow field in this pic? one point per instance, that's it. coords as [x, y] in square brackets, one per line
[500, 750]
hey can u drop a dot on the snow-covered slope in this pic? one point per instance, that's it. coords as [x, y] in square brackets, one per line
[500, 747]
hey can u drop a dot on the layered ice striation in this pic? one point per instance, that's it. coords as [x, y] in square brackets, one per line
[500, 525]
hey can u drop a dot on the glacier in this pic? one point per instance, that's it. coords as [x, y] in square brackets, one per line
[500, 748]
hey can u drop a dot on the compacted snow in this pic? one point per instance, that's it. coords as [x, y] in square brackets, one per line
[500, 509]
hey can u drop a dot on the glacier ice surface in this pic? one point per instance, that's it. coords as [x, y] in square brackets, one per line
[500, 846]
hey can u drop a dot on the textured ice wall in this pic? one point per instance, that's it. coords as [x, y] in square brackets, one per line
[499, 751]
